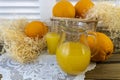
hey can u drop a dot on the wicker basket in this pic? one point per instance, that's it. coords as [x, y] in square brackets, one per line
[92, 25]
[57, 22]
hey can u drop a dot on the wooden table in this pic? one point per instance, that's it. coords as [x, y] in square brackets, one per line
[109, 69]
[0, 76]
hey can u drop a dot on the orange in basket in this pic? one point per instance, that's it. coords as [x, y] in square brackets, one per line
[63, 8]
[82, 6]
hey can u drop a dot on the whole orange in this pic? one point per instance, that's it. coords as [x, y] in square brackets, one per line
[63, 8]
[36, 29]
[102, 48]
[82, 6]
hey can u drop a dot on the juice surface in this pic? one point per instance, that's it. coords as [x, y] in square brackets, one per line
[73, 57]
[52, 41]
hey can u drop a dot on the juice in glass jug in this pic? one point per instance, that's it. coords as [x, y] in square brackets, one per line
[73, 57]
[73, 53]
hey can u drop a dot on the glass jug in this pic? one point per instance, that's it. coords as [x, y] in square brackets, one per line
[73, 53]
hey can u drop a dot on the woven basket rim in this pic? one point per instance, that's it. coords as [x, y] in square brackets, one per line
[73, 19]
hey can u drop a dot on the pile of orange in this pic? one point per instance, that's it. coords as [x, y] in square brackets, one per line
[64, 8]
[100, 44]
[102, 48]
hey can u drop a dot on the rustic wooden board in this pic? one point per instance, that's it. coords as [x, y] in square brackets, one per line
[105, 71]
[0, 76]
[114, 58]
[109, 69]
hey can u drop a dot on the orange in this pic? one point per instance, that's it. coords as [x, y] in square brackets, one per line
[36, 29]
[82, 6]
[63, 8]
[102, 48]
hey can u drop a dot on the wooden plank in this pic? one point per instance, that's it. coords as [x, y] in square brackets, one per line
[109, 69]
[105, 71]
[115, 57]
[0, 76]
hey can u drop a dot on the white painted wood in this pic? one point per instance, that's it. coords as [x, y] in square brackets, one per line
[13, 9]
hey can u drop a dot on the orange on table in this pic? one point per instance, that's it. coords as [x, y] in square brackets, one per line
[82, 6]
[36, 29]
[103, 47]
[63, 8]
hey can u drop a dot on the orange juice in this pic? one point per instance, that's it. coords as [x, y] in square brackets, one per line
[52, 39]
[73, 57]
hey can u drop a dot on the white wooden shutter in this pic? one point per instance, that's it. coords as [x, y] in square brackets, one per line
[14, 9]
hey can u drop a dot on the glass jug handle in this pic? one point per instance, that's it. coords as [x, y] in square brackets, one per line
[92, 42]
[62, 39]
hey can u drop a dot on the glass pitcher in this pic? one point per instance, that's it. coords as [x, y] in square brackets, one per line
[73, 53]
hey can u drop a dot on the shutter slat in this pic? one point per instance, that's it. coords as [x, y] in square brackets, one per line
[18, 0]
[15, 9]
[20, 11]
[5, 3]
[19, 6]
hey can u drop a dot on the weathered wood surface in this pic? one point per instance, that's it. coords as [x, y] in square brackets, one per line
[0, 76]
[109, 69]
